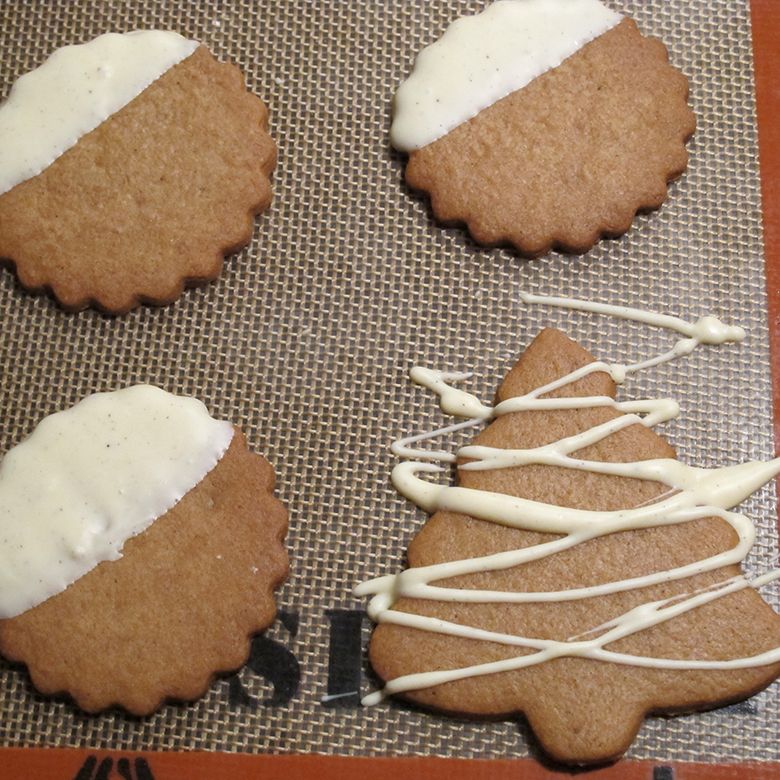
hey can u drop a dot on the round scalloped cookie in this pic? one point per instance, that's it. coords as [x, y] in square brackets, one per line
[569, 158]
[150, 200]
[178, 607]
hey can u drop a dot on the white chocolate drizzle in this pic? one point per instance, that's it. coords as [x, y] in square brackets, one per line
[91, 477]
[693, 493]
[74, 91]
[483, 58]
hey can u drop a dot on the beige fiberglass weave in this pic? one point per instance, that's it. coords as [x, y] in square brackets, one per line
[306, 338]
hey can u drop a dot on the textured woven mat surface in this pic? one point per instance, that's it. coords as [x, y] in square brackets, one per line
[306, 338]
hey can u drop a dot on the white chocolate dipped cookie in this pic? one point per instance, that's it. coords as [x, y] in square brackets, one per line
[129, 166]
[140, 544]
[577, 573]
[543, 124]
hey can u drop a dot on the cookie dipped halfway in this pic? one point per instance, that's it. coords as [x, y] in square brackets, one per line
[577, 573]
[543, 124]
[147, 168]
[161, 564]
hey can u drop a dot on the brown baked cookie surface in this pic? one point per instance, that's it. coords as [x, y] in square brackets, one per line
[582, 711]
[569, 158]
[178, 607]
[149, 201]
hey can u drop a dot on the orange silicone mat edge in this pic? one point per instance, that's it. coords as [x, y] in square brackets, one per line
[61, 763]
[58, 764]
[766, 45]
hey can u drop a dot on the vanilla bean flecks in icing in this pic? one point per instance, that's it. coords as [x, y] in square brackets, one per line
[91, 477]
[481, 59]
[692, 493]
[74, 91]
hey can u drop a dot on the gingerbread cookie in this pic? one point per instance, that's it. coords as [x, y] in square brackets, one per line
[147, 169]
[577, 573]
[140, 547]
[543, 124]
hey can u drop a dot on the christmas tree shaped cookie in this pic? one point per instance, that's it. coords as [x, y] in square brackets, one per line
[577, 573]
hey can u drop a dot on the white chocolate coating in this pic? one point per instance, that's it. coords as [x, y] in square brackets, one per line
[693, 493]
[74, 91]
[481, 59]
[91, 477]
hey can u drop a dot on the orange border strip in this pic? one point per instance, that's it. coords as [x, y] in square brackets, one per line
[766, 55]
[64, 764]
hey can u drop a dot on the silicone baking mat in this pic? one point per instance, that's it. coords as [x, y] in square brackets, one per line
[306, 338]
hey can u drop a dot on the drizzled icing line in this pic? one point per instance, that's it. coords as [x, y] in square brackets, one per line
[693, 493]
